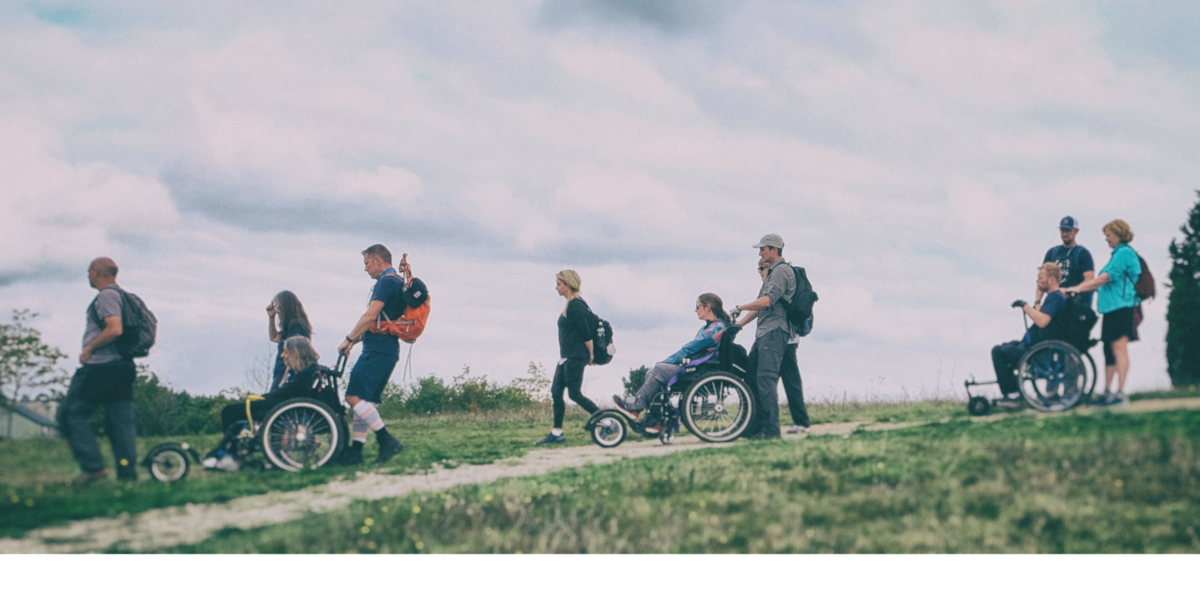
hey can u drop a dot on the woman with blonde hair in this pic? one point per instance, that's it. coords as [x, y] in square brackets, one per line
[574, 351]
[301, 359]
[1117, 300]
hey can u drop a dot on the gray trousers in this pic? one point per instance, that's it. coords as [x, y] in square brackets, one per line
[768, 362]
[109, 385]
[656, 380]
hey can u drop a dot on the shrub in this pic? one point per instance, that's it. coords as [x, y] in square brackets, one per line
[635, 381]
[432, 395]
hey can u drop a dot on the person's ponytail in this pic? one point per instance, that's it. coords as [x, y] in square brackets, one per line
[714, 302]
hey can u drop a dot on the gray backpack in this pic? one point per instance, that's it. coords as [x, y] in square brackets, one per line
[138, 326]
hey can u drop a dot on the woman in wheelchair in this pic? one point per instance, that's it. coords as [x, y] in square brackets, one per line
[301, 360]
[703, 348]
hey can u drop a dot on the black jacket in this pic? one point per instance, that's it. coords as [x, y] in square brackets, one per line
[574, 329]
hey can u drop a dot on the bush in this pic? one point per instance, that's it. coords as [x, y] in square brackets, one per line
[635, 381]
[159, 410]
[432, 395]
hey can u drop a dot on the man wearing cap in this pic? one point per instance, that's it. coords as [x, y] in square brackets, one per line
[771, 336]
[1075, 260]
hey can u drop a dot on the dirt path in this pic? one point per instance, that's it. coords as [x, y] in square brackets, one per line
[193, 523]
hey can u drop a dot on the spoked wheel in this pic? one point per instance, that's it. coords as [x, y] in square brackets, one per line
[1052, 376]
[609, 430]
[666, 436]
[717, 408]
[167, 463]
[978, 406]
[301, 434]
[1089, 366]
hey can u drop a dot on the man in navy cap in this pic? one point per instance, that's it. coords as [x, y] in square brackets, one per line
[1075, 260]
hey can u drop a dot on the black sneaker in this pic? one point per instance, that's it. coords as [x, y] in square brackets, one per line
[552, 439]
[388, 447]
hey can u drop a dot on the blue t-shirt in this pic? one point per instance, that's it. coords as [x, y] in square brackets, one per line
[1123, 270]
[1075, 261]
[389, 289]
[280, 368]
[1052, 304]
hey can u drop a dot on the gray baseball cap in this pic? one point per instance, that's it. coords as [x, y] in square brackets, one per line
[771, 240]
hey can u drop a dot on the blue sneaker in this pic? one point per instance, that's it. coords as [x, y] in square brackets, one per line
[552, 439]
[1117, 399]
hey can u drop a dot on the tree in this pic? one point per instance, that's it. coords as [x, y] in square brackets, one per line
[26, 363]
[635, 381]
[1183, 310]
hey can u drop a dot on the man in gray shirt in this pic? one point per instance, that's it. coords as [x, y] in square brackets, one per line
[771, 339]
[105, 377]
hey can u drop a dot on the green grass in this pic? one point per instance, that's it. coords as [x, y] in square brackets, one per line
[34, 473]
[1103, 482]
[843, 411]
[1179, 392]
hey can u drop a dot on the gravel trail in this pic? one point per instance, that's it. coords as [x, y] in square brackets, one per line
[194, 523]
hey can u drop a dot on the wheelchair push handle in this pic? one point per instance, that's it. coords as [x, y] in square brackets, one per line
[340, 366]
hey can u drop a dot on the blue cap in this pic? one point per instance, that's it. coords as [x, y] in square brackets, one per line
[1068, 223]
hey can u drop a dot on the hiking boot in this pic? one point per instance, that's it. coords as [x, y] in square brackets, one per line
[388, 447]
[351, 455]
[551, 439]
[86, 478]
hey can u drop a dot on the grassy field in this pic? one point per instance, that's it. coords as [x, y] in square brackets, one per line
[34, 473]
[1102, 482]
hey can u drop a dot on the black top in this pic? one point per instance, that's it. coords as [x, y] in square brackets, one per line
[298, 385]
[297, 328]
[573, 330]
[1074, 262]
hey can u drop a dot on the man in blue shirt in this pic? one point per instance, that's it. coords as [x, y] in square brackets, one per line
[1005, 356]
[379, 356]
[1075, 260]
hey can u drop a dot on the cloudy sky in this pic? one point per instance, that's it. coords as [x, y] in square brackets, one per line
[915, 157]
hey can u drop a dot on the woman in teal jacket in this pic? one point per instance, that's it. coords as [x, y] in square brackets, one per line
[1116, 300]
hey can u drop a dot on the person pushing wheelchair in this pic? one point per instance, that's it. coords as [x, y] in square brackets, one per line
[1006, 356]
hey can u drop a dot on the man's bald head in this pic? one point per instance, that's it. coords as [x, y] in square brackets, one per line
[102, 272]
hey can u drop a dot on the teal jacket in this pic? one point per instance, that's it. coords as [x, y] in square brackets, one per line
[1123, 270]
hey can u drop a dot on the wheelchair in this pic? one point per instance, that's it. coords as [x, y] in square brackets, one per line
[301, 433]
[1052, 376]
[710, 397]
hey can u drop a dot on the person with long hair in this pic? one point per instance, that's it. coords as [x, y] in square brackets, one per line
[1117, 300]
[574, 350]
[711, 310]
[300, 359]
[285, 318]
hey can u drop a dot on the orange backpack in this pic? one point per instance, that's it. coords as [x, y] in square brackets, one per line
[410, 324]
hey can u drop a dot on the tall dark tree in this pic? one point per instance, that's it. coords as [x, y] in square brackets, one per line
[1183, 312]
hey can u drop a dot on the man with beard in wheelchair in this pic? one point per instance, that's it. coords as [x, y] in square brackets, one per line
[300, 359]
[1045, 327]
[711, 310]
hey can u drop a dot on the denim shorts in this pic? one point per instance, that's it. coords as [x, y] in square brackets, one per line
[370, 375]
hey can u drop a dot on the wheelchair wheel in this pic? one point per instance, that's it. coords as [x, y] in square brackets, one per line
[167, 463]
[717, 408]
[301, 434]
[978, 406]
[1052, 376]
[1092, 376]
[609, 430]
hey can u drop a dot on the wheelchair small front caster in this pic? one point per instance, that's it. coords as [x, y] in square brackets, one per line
[978, 406]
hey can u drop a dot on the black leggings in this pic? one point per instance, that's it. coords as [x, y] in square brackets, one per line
[569, 376]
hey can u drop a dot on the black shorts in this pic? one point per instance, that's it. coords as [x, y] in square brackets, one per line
[1117, 324]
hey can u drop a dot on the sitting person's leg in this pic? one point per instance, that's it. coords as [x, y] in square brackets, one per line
[656, 380]
[1004, 359]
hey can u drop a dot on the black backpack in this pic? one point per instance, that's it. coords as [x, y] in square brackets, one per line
[138, 326]
[602, 337]
[1075, 324]
[800, 308]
